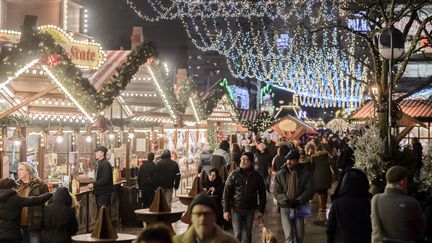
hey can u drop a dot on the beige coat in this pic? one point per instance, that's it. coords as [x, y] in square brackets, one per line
[219, 237]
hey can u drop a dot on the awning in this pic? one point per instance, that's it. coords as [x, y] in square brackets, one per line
[420, 109]
[114, 59]
[248, 115]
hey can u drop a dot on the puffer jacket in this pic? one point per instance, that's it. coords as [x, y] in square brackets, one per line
[304, 191]
[35, 214]
[10, 212]
[241, 191]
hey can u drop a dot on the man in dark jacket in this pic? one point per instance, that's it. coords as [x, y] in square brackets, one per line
[243, 189]
[292, 190]
[148, 177]
[418, 151]
[103, 186]
[263, 164]
[171, 175]
[395, 215]
[10, 210]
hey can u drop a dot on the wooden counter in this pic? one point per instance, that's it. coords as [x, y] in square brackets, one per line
[88, 209]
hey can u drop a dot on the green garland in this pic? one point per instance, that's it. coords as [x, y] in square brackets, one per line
[43, 46]
[9, 121]
[204, 107]
[263, 121]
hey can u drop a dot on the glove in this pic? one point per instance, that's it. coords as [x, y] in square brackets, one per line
[295, 204]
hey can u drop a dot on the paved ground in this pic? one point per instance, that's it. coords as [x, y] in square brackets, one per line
[313, 233]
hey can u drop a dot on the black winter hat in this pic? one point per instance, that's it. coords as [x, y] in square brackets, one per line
[7, 183]
[250, 155]
[293, 154]
[224, 144]
[203, 199]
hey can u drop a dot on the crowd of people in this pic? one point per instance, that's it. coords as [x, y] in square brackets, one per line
[237, 179]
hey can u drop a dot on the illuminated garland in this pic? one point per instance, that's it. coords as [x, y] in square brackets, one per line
[52, 54]
[260, 124]
[204, 107]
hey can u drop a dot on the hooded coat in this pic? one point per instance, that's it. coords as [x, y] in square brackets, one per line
[10, 212]
[349, 217]
[60, 222]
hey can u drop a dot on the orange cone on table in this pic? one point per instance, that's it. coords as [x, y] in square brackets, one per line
[104, 228]
[197, 187]
[159, 203]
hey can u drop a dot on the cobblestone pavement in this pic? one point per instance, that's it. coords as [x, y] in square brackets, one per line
[313, 233]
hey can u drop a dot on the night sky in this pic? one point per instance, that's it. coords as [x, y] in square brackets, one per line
[111, 21]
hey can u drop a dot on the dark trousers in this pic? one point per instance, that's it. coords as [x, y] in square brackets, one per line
[103, 200]
[147, 196]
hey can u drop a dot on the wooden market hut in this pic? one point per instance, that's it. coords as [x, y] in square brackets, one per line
[415, 122]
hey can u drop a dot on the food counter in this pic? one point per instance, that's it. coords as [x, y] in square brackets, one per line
[88, 209]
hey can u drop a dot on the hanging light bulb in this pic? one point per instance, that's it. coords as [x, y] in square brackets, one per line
[59, 135]
[131, 133]
[111, 136]
[17, 137]
[88, 136]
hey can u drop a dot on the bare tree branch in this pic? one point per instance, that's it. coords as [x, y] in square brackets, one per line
[409, 53]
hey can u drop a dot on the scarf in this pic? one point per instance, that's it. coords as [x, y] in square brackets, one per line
[292, 184]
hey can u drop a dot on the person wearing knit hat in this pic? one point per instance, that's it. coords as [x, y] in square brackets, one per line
[292, 190]
[202, 210]
[395, 215]
[244, 193]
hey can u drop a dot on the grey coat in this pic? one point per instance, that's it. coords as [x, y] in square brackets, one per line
[304, 191]
[396, 215]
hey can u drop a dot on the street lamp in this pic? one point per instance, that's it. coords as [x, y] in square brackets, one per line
[391, 47]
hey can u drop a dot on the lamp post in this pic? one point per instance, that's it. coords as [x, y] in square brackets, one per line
[391, 47]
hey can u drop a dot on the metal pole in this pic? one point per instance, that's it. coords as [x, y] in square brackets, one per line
[390, 94]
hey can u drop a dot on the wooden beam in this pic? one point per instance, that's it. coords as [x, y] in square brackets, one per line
[404, 132]
[58, 96]
[28, 101]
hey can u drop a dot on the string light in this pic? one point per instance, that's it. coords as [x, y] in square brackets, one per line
[162, 93]
[65, 14]
[66, 92]
[178, 9]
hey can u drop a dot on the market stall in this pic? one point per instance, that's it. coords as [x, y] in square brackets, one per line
[415, 120]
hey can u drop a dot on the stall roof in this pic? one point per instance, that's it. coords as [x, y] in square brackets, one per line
[38, 93]
[297, 127]
[419, 109]
[147, 97]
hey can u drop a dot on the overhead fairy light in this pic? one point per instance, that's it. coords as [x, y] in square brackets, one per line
[179, 9]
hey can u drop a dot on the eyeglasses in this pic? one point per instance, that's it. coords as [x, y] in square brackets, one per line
[244, 158]
[205, 214]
